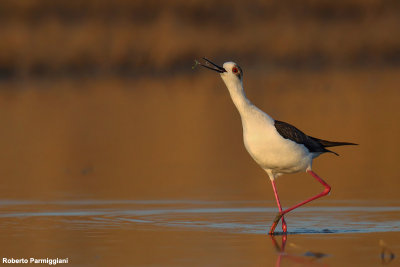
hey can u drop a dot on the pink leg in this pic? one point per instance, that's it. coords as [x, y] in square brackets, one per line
[281, 213]
[284, 227]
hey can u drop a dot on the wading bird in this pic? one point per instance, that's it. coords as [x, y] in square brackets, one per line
[278, 147]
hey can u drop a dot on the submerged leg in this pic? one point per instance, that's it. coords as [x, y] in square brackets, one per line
[281, 213]
[276, 221]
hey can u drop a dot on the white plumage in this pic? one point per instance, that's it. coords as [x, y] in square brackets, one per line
[275, 154]
[278, 147]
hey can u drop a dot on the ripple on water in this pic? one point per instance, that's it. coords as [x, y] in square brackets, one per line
[234, 217]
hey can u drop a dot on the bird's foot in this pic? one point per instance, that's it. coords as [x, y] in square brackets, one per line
[284, 226]
[275, 223]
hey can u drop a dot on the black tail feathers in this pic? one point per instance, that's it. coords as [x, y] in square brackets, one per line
[326, 143]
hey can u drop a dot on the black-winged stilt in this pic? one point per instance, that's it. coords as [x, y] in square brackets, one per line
[278, 147]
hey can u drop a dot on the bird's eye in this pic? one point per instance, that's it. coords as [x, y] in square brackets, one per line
[235, 70]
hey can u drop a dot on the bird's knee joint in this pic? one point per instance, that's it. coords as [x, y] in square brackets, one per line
[327, 190]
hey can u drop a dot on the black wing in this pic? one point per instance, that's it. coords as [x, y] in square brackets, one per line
[290, 132]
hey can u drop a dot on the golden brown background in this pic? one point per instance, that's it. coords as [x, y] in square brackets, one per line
[98, 98]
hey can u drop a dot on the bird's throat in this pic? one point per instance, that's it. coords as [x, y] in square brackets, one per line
[238, 96]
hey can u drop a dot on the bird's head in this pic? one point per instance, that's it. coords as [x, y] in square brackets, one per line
[233, 72]
[230, 72]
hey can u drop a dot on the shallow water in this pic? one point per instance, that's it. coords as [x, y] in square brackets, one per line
[198, 233]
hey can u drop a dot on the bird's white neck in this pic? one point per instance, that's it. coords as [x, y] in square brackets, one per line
[248, 112]
[238, 96]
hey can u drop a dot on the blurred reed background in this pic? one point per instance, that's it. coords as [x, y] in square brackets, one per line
[98, 98]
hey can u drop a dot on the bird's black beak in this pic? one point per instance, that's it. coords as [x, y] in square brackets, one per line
[215, 68]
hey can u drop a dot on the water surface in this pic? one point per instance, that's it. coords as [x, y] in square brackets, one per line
[198, 233]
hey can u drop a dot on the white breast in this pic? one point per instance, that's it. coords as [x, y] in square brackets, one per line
[268, 148]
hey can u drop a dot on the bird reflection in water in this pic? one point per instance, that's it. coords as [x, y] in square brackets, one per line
[305, 258]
